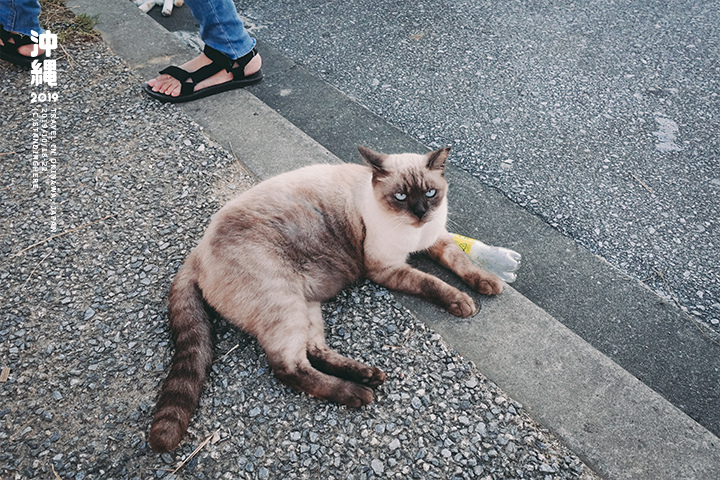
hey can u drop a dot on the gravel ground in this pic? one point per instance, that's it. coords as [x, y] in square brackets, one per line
[84, 332]
[599, 117]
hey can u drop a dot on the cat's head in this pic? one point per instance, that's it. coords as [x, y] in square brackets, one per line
[409, 185]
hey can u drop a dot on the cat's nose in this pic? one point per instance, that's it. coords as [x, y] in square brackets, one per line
[418, 210]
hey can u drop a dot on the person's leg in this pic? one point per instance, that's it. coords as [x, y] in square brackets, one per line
[222, 29]
[20, 16]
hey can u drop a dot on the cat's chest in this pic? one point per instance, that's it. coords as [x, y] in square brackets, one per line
[392, 242]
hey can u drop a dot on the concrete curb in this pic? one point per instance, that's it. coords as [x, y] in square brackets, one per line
[620, 427]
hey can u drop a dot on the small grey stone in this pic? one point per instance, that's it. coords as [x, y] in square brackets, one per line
[377, 466]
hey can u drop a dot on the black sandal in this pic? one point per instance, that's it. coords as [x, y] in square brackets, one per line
[220, 61]
[12, 43]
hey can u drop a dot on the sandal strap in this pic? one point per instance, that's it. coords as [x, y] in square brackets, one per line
[197, 76]
[227, 63]
[205, 72]
[18, 39]
[176, 72]
[187, 88]
[223, 61]
[219, 62]
[239, 71]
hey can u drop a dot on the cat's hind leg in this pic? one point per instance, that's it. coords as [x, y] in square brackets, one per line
[331, 362]
[285, 341]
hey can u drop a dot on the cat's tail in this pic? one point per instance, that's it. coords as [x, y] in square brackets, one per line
[192, 333]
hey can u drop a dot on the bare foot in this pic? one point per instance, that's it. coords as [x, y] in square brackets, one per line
[168, 85]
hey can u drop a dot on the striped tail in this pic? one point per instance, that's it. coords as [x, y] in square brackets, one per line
[192, 333]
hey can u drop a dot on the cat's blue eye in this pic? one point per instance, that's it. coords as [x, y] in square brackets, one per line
[430, 193]
[400, 196]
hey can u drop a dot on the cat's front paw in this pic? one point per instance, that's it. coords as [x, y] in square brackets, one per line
[376, 378]
[486, 283]
[462, 306]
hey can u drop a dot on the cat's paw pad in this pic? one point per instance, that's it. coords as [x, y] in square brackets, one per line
[463, 306]
[376, 378]
[356, 396]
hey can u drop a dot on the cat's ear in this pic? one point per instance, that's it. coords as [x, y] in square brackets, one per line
[374, 159]
[436, 160]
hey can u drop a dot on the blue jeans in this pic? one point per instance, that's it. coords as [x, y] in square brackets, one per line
[221, 27]
[20, 16]
[220, 24]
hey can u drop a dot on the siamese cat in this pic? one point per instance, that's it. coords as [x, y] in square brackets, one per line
[271, 255]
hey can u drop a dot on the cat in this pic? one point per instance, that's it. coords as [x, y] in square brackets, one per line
[271, 255]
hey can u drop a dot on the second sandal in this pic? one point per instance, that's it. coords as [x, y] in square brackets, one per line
[10, 51]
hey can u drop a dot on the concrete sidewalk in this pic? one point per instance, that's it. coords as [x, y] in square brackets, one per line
[614, 422]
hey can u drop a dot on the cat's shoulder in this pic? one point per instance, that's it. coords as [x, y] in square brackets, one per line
[323, 172]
